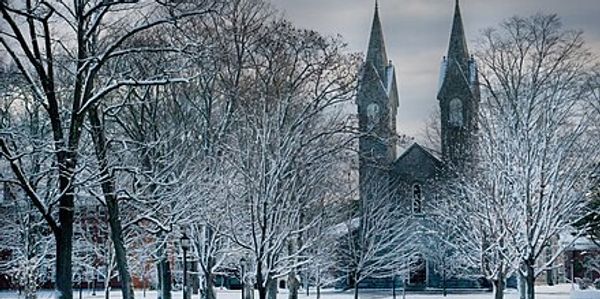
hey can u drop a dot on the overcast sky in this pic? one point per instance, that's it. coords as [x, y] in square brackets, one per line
[417, 33]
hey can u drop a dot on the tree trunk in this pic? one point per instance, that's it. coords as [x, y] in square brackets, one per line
[159, 282]
[64, 249]
[262, 292]
[307, 283]
[318, 283]
[444, 288]
[394, 286]
[108, 275]
[293, 285]
[498, 284]
[498, 288]
[529, 279]
[260, 282]
[355, 290]
[164, 277]
[164, 274]
[209, 286]
[30, 287]
[112, 205]
[120, 251]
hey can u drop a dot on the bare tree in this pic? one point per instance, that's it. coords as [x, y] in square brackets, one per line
[534, 154]
[476, 214]
[282, 142]
[95, 34]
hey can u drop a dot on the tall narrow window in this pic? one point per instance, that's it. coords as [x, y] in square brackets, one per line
[456, 112]
[417, 199]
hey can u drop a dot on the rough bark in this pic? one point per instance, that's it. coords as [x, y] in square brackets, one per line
[159, 280]
[64, 249]
[498, 284]
[498, 288]
[529, 279]
[120, 250]
[262, 291]
[260, 282]
[164, 275]
[209, 286]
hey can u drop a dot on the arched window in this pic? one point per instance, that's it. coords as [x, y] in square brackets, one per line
[456, 112]
[417, 199]
[373, 115]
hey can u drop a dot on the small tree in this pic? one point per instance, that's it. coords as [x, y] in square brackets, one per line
[376, 241]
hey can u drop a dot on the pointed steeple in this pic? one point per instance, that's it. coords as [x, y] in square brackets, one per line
[458, 49]
[458, 98]
[376, 52]
[456, 67]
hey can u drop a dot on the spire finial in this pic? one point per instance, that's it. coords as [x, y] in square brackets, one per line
[458, 43]
[376, 53]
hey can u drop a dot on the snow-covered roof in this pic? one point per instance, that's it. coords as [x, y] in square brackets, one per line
[341, 229]
[570, 242]
[416, 146]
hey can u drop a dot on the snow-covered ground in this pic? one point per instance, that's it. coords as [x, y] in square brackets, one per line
[542, 292]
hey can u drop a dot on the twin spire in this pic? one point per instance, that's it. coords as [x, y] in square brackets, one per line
[376, 53]
[457, 48]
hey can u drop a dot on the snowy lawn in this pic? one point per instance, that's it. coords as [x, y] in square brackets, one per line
[542, 292]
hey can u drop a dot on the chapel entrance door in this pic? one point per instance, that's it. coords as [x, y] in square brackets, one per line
[418, 272]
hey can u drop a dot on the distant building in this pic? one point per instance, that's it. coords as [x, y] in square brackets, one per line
[414, 173]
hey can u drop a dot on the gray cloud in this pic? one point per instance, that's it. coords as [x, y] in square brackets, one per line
[417, 33]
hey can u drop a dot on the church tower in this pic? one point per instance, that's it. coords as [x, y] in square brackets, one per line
[377, 102]
[459, 98]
